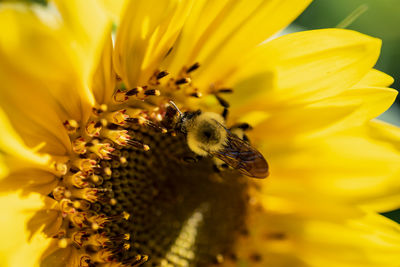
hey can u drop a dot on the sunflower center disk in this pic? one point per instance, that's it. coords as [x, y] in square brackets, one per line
[180, 214]
[135, 194]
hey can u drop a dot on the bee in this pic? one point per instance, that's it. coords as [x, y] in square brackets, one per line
[207, 135]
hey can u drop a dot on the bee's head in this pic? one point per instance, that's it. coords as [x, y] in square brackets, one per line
[186, 120]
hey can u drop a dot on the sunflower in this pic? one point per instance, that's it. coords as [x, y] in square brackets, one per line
[94, 171]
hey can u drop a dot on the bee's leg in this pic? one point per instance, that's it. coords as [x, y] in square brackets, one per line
[216, 169]
[225, 113]
[191, 159]
[244, 126]
[222, 101]
[245, 138]
[219, 165]
[224, 166]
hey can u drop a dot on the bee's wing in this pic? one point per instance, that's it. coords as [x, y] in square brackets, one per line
[240, 155]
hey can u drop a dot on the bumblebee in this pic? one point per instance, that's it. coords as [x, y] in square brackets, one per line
[207, 135]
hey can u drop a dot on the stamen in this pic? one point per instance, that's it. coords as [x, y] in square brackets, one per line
[98, 240]
[78, 219]
[161, 75]
[138, 145]
[67, 206]
[80, 237]
[79, 145]
[118, 117]
[84, 261]
[194, 67]
[120, 96]
[71, 126]
[62, 243]
[120, 137]
[85, 165]
[102, 150]
[120, 238]
[101, 109]
[93, 129]
[76, 179]
[136, 120]
[99, 220]
[134, 91]
[196, 94]
[225, 90]
[183, 81]
[155, 126]
[59, 168]
[61, 192]
[103, 256]
[222, 101]
[151, 92]
[96, 179]
[137, 260]
[84, 205]
[89, 194]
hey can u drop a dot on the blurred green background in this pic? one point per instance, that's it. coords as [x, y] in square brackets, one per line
[381, 18]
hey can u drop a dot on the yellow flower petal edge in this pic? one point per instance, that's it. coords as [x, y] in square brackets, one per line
[348, 109]
[302, 233]
[13, 146]
[216, 30]
[386, 135]
[114, 8]
[375, 78]
[351, 167]
[104, 79]
[148, 30]
[53, 72]
[332, 59]
[75, 30]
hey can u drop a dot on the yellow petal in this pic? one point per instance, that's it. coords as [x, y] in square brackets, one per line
[348, 168]
[114, 8]
[216, 32]
[328, 234]
[15, 249]
[104, 79]
[47, 55]
[304, 66]
[371, 240]
[264, 242]
[13, 147]
[303, 233]
[386, 135]
[375, 78]
[51, 52]
[29, 180]
[146, 33]
[346, 110]
[300, 122]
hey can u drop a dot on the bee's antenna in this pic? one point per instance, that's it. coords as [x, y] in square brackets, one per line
[175, 107]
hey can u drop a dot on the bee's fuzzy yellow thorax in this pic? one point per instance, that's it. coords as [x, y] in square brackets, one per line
[206, 133]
